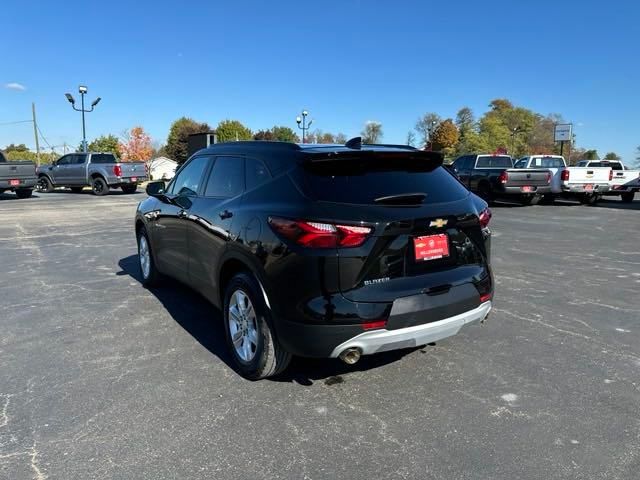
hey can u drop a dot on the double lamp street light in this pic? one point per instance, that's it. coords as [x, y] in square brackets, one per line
[82, 90]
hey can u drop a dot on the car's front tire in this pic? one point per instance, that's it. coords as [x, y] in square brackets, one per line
[151, 277]
[44, 184]
[248, 327]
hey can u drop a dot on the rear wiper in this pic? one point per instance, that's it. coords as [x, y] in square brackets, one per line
[402, 199]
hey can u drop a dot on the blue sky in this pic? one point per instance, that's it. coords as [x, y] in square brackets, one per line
[346, 61]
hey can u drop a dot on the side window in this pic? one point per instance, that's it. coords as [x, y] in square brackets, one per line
[188, 181]
[79, 159]
[227, 178]
[521, 163]
[616, 166]
[471, 162]
[66, 160]
[256, 173]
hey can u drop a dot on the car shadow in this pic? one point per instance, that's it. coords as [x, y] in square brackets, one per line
[203, 322]
[87, 191]
[618, 205]
[12, 196]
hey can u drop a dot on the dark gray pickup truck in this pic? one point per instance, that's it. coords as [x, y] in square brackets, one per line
[492, 176]
[19, 177]
[100, 171]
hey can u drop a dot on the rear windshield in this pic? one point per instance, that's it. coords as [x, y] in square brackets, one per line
[362, 183]
[103, 158]
[546, 162]
[613, 165]
[497, 161]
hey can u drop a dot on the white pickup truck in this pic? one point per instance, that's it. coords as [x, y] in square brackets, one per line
[624, 183]
[587, 183]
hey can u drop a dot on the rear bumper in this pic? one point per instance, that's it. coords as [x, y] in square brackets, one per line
[375, 341]
[536, 190]
[28, 182]
[580, 188]
[119, 182]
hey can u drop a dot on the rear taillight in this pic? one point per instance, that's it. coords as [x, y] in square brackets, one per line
[117, 170]
[610, 175]
[564, 175]
[485, 217]
[374, 325]
[485, 298]
[548, 178]
[320, 234]
[503, 178]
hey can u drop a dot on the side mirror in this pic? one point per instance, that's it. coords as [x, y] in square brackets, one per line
[155, 189]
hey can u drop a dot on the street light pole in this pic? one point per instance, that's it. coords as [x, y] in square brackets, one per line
[305, 126]
[82, 90]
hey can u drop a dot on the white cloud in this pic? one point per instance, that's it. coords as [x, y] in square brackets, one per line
[15, 86]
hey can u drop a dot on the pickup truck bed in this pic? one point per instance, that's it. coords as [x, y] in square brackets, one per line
[19, 177]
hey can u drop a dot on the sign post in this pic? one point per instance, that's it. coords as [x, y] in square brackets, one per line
[562, 133]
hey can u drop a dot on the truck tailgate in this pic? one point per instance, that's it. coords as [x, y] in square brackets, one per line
[17, 170]
[133, 169]
[588, 175]
[626, 178]
[535, 177]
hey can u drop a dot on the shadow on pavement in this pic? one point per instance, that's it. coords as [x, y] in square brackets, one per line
[203, 322]
[12, 196]
[617, 204]
[87, 191]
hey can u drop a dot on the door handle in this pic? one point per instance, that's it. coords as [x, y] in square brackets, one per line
[225, 214]
[182, 214]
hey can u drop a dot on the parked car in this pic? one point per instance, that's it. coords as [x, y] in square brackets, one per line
[100, 171]
[18, 177]
[624, 182]
[587, 184]
[554, 163]
[320, 250]
[493, 176]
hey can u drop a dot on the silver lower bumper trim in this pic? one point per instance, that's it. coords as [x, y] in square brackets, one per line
[375, 341]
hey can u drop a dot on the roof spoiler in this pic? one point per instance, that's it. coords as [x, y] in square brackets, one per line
[420, 157]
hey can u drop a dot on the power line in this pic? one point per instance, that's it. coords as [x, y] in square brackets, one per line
[14, 123]
[43, 137]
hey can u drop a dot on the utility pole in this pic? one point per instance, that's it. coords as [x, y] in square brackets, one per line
[35, 132]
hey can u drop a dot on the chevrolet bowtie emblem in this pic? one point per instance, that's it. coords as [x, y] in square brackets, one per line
[438, 222]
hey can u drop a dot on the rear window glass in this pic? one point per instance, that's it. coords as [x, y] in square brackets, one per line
[613, 165]
[547, 162]
[103, 158]
[363, 183]
[497, 161]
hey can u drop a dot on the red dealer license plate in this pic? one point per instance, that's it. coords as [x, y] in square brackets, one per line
[134, 179]
[431, 247]
[588, 187]
[526, 189]
[13, 183]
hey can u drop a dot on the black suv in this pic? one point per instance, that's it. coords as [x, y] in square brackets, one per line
[321, 250]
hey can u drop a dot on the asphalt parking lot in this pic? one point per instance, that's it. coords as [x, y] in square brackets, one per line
[101, 378]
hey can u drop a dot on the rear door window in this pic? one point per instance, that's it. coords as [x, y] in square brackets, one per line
[227, 178]
[362, 181]
[494, 161]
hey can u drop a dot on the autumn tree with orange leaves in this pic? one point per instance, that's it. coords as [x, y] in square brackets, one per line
[137, 147]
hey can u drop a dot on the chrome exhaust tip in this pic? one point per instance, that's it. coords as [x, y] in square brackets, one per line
[350, 356]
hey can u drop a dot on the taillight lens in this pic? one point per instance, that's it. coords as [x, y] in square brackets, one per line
[485, 298]
[548, 178]
[610, 175]
[503, 178]
[117, 170]
[485, 217]
[374, 325]
[565, 175]
[319, 234]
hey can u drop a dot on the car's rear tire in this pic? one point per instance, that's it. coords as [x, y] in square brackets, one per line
[249, 332]
[589, 199]
[76, 189]
[44, 184]
[151, 277]
[530, 199]
[99, 186]
[627, 197]
[129, 188]
[24, 192]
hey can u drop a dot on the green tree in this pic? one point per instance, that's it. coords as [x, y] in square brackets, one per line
[284, 134]
[16, 148]
[591, 155]
[263, 135]
[104, 143]
[341, 138]
[372, 132]
[445, 137]
[426, 125]
[465, 121]
[232, 131]
[612, 156]
[177, 147]
[324, 137]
